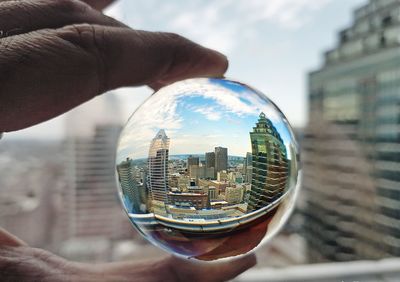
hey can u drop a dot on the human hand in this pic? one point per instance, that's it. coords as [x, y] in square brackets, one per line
[55, 55]
[19, 262]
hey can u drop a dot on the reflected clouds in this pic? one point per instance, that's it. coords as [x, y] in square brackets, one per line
[205, 163]
[216, 100]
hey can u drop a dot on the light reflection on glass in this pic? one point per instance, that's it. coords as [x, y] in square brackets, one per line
[207, 168]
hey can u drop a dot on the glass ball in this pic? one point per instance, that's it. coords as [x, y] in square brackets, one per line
[207, 168]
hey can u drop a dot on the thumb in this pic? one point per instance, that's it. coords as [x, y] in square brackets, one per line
[7, 239]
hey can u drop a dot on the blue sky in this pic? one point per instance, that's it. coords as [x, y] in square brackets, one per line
[271, 45]
[199, 115]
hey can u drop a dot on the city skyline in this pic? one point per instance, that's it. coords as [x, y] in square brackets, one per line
[213, 186]
[172, 199]
[220, 110]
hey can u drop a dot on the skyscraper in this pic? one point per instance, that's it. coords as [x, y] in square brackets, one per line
[90, 197]
[157, 179]
[192, 161]
[221, 159]
[352, 142]
[210, 159]
[247, 168]
[89, 210]
[269, 162]
[131, 185]
[210, 163]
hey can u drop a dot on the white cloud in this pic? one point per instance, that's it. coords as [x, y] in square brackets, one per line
[161, 112]
[209, 113]
[224, 24]
[287, 14]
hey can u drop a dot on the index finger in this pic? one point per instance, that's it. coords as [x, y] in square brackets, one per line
[48, 72]
[98, 4]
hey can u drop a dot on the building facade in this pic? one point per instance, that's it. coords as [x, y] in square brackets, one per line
[221, 159]
[132, 182]
[89, 198]
[157, 178]
[247, 168]
[188, 200]
[204, 172]
[234, 195]
[192, 161]
[269, 164]
[210, 159]
[351, 156]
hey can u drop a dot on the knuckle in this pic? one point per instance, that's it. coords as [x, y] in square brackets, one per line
[70, 6]
[89, 39]
[82, 35]
[84, 28]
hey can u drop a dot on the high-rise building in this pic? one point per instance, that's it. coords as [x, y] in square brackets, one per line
[247, 168]
[90, 198]
[269, 164]
[88, 208]
[132, 186]
[197, 172]
[351, 158]
[157, 178]
[192, 161]
[221, 159]
[210, 159]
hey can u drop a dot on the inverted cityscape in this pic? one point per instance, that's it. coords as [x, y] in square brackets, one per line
[191, 202]
[207, 187]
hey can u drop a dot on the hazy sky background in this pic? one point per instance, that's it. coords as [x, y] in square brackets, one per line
[271, 45]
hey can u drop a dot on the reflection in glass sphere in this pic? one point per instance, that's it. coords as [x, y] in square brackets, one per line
[207, 168]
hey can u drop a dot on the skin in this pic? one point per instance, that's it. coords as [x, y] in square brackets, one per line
[56, 55]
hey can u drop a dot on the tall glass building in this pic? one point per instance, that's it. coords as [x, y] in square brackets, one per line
[351, 158]
[157, 181]
[221, 159]
[132, 186]
[269, 164]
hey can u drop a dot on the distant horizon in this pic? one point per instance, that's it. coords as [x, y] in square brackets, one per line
[190, 154]
[198, 115]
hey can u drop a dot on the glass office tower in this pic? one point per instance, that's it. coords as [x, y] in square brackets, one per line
[351, 156]
[269, 164]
